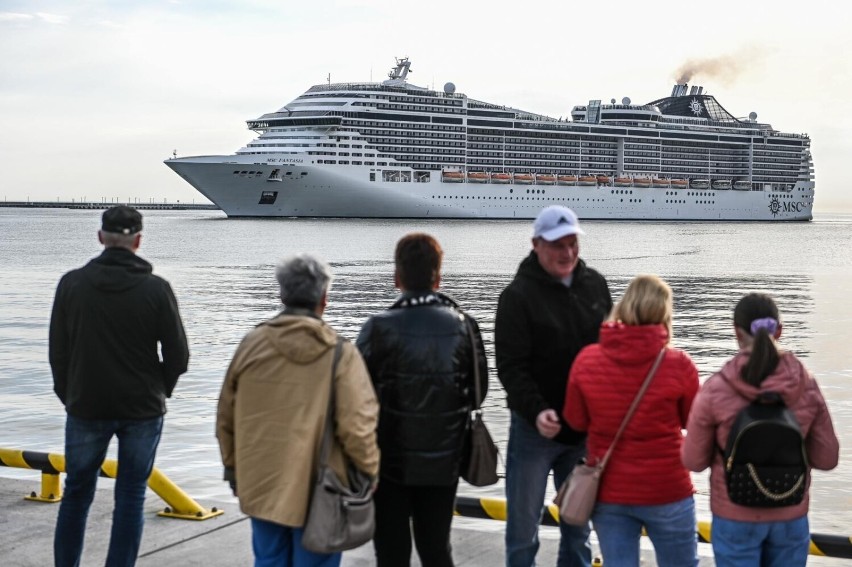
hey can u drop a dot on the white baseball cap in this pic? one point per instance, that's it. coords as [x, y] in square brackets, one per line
[554, 222]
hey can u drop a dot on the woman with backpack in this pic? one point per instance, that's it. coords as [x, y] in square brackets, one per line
[759, 487]
[644, 483]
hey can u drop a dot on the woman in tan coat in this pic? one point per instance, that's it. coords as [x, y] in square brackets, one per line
[272, 412]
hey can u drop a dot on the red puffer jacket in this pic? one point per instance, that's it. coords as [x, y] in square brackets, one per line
[645, 467]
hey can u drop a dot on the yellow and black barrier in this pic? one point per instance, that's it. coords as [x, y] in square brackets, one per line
[495, 509]
[180, 505]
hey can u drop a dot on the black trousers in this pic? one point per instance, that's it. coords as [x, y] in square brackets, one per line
[425, 510]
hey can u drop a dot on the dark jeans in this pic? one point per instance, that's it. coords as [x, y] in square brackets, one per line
[86, 443]
[427, 510]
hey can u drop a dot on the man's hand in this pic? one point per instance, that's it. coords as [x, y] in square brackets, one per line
[547, 423]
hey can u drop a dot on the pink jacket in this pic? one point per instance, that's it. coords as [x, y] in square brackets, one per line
[722, 396]
[645, 467]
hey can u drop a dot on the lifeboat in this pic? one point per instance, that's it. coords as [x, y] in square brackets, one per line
[477, 177]
[452, 177]
[642, 181]
[587, 180]
[566, 179]
[604, 180]
[660, 182]
[679, 183]
[742, 185]
[623, 181]
[699, 183]
[524, 178]
[721, 184]
[501, 178]
[545, 179]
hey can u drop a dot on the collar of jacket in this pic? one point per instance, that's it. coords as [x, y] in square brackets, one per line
[300, 312]
[530, 267]
[417, 298]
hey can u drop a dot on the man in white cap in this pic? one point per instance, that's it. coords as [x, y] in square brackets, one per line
[551, 310]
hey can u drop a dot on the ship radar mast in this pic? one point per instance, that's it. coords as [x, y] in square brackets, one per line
[398, 74]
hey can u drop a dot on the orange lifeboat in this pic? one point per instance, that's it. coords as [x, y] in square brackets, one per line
[524, 178]
[501, 178]
[622, 181]
[679, 183]
[587, 180]
[477, 177]
[660, 182]
[604, 180]
[642, 181]
[566, 179]
[452, 177]
[545, 179]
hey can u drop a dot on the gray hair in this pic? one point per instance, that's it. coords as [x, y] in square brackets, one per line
[303, 280]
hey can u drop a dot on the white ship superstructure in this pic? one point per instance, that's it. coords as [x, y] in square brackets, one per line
[395, 150]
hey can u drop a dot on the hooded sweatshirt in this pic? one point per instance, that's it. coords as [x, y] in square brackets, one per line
[109, 318]
[272, 413]
[645, 467]
[719, 401]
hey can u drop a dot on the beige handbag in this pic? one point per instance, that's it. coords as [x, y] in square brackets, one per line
[577, 496]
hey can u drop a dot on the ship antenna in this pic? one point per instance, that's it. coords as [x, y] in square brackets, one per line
[329, 78]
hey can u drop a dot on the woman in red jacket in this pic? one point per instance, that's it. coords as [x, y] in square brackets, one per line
[745, 536]
[644, 484]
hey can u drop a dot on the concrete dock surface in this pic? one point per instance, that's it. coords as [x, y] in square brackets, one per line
[26, 536]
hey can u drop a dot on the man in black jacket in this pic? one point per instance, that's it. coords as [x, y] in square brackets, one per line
[420, 357]
[551, 310]
[108, 319]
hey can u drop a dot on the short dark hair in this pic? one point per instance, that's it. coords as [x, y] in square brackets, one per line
[418, 261]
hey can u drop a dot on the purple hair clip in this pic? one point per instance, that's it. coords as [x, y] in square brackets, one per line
[768, 323]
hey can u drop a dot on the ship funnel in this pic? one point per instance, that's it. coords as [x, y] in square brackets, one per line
[674, 90]
[693, 90]
[700, 90]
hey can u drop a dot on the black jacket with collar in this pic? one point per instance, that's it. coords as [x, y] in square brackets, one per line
[419, 354]
[107, 322]
[541, 325]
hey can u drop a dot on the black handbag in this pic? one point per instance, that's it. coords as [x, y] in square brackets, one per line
[339, 517]
[479, 465]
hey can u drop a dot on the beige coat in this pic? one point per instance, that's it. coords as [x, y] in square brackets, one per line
[272, 411]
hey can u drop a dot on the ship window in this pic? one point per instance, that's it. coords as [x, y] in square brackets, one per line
[372, 176]
[268, 197]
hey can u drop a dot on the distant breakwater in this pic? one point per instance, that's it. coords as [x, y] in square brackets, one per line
[104, 205]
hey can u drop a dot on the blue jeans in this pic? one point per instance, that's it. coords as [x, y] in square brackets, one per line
[275, 545]
[86, 443]
[530, 458]
[760, 544]
[671, 528]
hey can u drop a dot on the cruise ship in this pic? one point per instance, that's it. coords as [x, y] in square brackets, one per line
[391, 149]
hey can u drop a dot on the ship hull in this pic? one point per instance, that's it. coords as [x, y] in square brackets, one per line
[241, 187]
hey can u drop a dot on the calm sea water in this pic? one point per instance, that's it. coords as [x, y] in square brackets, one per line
[222, 273]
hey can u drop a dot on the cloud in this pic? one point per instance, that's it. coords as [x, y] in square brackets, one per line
[52, 18]
[18, 18]
[13, 17]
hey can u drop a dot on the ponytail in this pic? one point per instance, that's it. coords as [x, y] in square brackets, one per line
[757, 315]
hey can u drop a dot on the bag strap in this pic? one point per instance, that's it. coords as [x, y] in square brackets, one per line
[633, 406]
[325, 449]
[474, 354]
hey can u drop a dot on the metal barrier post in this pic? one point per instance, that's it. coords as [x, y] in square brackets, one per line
[180, 505]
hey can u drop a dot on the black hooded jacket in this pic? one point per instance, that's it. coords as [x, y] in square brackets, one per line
[540, 327]
[419, 354]
[108, 318]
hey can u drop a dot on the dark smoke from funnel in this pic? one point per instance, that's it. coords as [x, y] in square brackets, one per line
[725, 68]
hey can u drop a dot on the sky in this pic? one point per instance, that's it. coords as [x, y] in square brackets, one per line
[94, 95]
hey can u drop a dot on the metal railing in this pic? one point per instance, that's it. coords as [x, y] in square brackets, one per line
[179, 503]
[495, 509]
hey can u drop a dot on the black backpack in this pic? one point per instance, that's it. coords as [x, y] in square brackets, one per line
[765, 461]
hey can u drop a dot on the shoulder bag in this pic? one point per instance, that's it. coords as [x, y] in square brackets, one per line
[577, 495]
[339, 517]
[479, 465]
